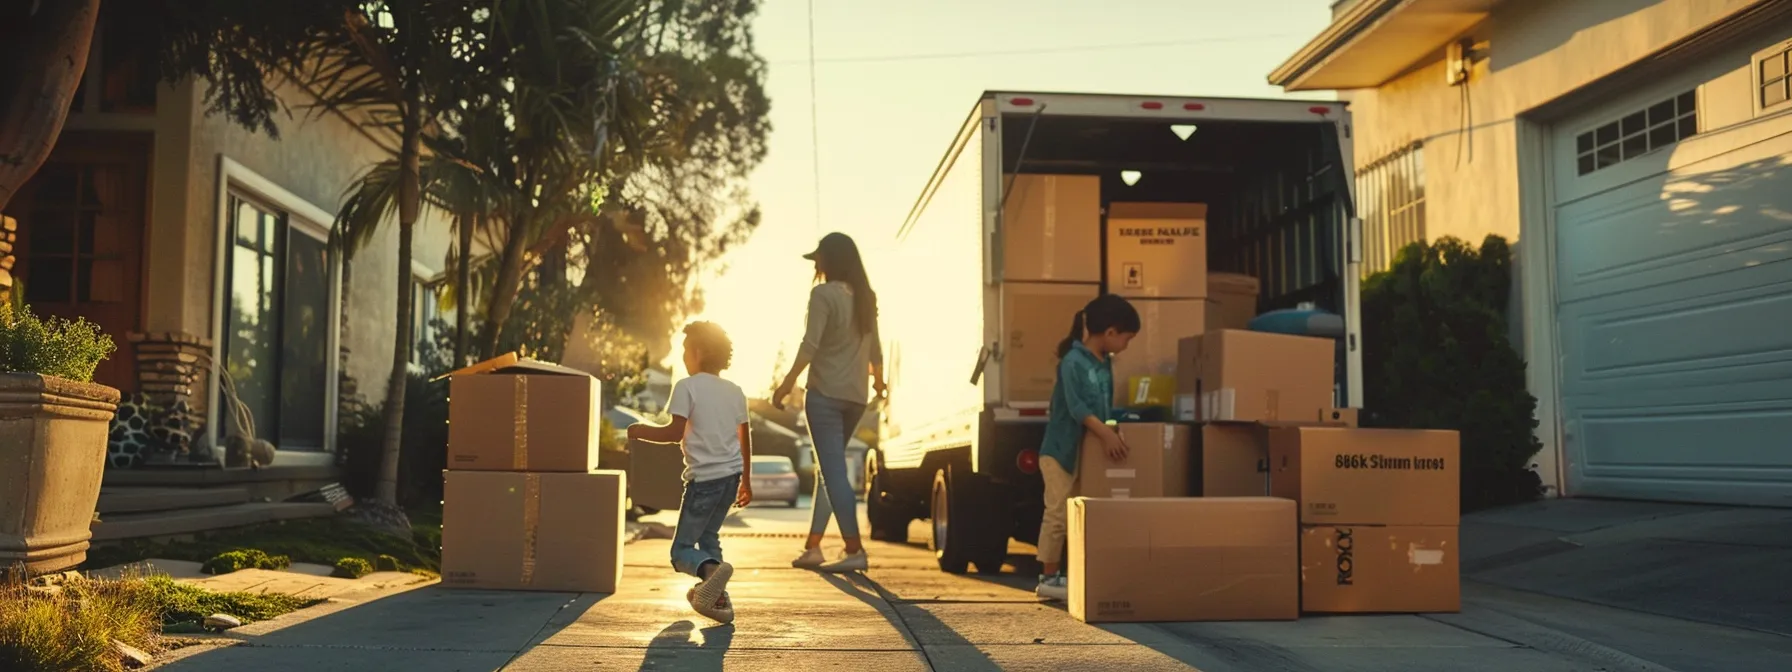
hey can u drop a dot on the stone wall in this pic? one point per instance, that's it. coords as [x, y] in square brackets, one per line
[173, 367]
[9, 232]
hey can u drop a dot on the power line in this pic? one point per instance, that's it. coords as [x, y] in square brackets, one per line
[896, 58]
[814, 121]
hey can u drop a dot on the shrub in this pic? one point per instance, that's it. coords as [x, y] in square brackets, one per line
[1436, 355]
[424, 447]
[50, 346]
[244, 558]
[387, 563]
[352, 568]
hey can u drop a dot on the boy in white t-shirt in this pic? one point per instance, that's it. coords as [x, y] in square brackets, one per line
[709, 419]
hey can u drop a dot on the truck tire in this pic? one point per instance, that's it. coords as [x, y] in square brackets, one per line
[962, 513]
[889, 520]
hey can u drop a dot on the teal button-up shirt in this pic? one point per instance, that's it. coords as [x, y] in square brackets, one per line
[1085, 387]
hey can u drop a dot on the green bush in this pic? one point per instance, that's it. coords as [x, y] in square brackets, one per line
[352, 568]
[244, 558]
[387, 563]
[1436, 355]
[50, 346]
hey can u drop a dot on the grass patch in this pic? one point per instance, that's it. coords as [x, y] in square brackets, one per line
[321, 541]
[74, 629]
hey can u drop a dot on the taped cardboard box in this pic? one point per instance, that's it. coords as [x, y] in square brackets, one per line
[1231, 300]
[1343, 476]
[1183, 559]
[1376, 569]
[1230, 460]
[1051, 228]
[1249, 376]
[509, 530]
[1035, 318]
[1157, 250]
[514, 414]
[1155, 466]
[655, 475]
[1163, 324]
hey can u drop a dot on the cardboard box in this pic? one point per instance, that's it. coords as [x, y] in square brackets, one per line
[1035, 317]
[1155, 466]
[1250, 376]
[1231, 300]
[655, 475]
[1051, 228]
[513, 414]
[1157, 250]
[1163, 323]
[1374, 569]
[509, 530]
[1344, 476]
[1342, 417]
[1230, 460]
[1187, 559]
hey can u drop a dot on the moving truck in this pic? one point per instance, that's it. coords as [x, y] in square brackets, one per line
[1008, 239]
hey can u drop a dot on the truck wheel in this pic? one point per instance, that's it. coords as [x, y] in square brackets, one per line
[961, 511]
[889, 521]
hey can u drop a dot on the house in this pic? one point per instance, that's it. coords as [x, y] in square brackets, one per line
[200, 247]
[1639, 152]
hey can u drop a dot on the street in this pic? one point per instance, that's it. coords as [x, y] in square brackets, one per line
[905, 614]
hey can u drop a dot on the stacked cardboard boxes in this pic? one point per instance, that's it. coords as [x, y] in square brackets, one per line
[1051, 268]
[524, 506]
[1157, 258]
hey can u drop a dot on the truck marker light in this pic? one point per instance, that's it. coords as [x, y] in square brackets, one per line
[1021, 102]
[1183, 131]
[1130, 177]
[1320, 109]
[1028, 461]
[1152, 105]
[1194, 107]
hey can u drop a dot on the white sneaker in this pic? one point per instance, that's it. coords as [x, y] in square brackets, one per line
[1053, 587]
[810, 559]
[707, 597]
[855, 562]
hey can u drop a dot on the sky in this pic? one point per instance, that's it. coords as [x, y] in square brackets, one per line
[895, 79]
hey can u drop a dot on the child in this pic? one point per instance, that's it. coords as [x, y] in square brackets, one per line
[709, 418]
[1081, 403]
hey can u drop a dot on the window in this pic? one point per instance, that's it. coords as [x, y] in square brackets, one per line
[1772, 70]
[79, 249]
[1638, 133]
[277, 323]
[1392, 194]
[426, 302]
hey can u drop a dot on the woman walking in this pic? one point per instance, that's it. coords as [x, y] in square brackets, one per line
[841, 350]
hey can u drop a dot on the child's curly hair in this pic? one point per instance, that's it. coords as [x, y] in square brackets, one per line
[718, 350]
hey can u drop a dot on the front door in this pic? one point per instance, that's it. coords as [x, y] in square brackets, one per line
[81, 225]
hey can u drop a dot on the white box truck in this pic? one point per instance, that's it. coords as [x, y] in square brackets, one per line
[954, 448]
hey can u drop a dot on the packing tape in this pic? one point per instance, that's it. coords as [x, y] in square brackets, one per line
[531, 524]
[1424, 556]
[1123, 473]
[519, 455]
[1273, 401]
[1121, 493]
[1048, 262]
[1169, 435]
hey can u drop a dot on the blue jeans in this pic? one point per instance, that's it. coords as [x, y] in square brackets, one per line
[831, 423]
[698, 539]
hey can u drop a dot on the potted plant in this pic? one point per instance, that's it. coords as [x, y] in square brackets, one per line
[54, 422]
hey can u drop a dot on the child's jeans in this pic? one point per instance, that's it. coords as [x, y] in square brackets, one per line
[698, 539]
[1059, 486]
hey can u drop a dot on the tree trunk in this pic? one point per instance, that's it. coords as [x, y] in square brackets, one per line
[47, 65]
[463, 288]
[504, 289]
[409, 202]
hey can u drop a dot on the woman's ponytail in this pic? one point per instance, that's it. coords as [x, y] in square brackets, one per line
[1076, 334]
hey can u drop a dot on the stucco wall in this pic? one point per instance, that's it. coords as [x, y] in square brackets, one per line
[316, 158]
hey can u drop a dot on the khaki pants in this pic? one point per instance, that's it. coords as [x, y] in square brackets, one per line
[1060, 486]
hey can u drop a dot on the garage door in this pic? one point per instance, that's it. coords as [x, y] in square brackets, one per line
[1674, 290]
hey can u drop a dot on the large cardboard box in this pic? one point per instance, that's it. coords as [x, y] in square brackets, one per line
[1230, 460]
[1156, 463]
[1249, 376]
[511, 530]
[1157, 250]
[1375, 569]
[1183, 559]
[1231, 300]
[513, 414]
[1051, 228]
[1343, 476]
[1035, 318]
[655, 475]
[1163, 324]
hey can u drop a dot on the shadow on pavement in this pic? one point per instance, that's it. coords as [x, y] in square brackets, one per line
[673, 644]
[911, 623]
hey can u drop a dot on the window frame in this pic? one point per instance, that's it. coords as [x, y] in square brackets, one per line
[1758, 73]
[425, 284]
[237, 182]
[1645, 134]
[1383, 199]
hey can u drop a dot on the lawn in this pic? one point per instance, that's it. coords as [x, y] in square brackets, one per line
[323, 541]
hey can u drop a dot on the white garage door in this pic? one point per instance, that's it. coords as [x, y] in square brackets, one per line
[1674, 289]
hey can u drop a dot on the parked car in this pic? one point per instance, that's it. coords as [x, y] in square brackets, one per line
[774, 480]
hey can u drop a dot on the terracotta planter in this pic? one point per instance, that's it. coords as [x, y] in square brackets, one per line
[52, 457]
